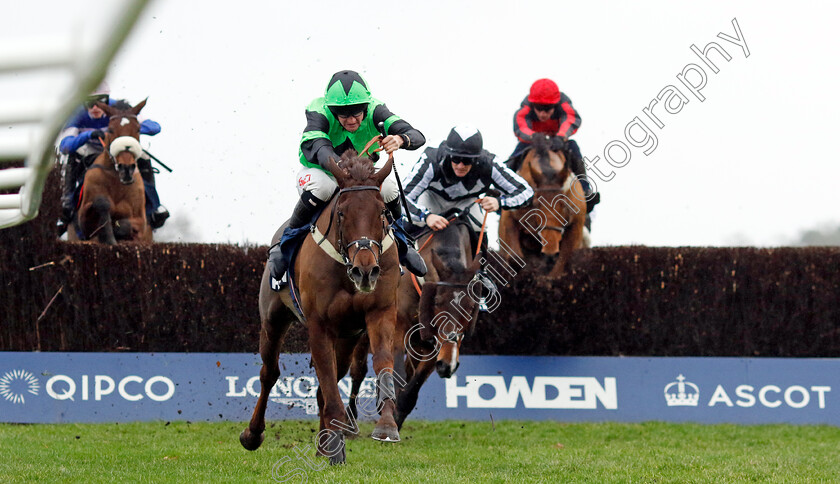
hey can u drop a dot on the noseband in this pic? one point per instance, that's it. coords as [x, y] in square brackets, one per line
[120, 145]
[361, 244]
[455, 337]
[559, 190]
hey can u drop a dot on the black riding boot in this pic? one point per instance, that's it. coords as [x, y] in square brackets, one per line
[409, 257]
[579, 169]
[73, 172]
[304, 211]
[147, 172]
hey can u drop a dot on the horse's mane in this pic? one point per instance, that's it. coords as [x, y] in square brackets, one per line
[121, 105]
[360, 169]
[540, 145]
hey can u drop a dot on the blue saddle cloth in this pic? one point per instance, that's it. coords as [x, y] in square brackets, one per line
[290, 243]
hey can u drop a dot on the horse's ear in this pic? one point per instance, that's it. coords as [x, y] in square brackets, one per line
[136, 109]
[338, 172]
[382, 174]
[106, 108]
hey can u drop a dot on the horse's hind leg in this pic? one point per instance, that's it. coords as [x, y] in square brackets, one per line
[273, 329]
[358, 371]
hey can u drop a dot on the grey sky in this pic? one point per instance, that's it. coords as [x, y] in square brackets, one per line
[751, 164]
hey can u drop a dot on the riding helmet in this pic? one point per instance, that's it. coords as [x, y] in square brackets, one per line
[464, 142]
[347, 93]
[544, 91]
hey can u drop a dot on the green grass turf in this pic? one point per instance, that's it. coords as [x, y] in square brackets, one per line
[451, 451]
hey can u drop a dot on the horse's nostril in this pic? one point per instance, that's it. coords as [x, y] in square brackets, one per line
[356, 274]
[374, 273]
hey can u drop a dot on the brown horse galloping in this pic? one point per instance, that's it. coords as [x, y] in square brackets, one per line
[554, 224]
[430, 326]
[113, 199]
[348, 273]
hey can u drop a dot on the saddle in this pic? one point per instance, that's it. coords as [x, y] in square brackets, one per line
[290, 244]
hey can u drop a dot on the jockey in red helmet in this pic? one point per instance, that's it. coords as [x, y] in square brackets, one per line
[547, 111]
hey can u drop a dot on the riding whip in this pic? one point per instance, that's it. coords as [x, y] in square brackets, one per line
[157, 160]
[381, 127]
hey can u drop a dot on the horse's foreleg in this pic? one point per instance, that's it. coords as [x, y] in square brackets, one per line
[358, 371]
[123, 229]
[330, 436]
[96, 221]
[572, 239]
[271, 339]
[408, 397]
[380, 325]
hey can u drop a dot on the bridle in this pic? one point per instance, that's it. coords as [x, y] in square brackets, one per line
[555, 228]
[360, 244]
[553, 190]
[455, 336]
[123, 143]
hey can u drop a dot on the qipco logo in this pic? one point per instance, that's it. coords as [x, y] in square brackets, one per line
[131, 388]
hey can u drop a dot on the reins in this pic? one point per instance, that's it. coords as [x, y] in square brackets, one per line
[361, 244]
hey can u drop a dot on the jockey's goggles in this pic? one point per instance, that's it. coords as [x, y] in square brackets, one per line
[457, 160]
[352, 110]
[344, 117]
[543, 107]
[92, 100]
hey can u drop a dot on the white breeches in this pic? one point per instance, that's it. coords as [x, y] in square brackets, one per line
[322, 184]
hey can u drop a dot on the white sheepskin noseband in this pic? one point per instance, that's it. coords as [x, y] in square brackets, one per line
[126, 143]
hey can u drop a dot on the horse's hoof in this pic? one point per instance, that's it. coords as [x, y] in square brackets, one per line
[251, 441]
[334, 449]
[386, 434]
[340, 458]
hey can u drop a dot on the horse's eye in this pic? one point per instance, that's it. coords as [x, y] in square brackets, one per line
[340, 213]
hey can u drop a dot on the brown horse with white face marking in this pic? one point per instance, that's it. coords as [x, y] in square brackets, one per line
[431, 325]
[348, 272]
[554, 224]
[113, 199]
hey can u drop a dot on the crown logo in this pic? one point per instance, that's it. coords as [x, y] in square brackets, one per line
[681, 393]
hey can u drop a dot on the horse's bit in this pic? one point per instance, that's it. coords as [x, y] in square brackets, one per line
[361, 244]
